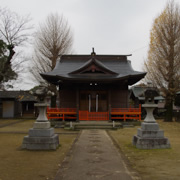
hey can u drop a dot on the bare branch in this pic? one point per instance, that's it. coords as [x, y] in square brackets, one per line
[52, 39]
[14, 29]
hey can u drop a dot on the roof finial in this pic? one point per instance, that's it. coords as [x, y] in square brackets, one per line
[93, 53]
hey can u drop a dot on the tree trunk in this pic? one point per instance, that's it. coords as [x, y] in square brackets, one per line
[169, 112]
[11, 53]
[7, 64]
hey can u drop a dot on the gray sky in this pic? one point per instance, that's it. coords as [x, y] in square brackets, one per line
[110, 26]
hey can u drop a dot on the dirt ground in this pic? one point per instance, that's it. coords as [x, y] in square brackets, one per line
[161, 164]
[20, 164]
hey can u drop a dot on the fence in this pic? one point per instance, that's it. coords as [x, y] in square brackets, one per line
[116, 114]
[93, 116]
[61, 113]
[126, 113]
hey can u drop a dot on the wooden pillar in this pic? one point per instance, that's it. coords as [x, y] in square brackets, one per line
[109, 103]
[59, 96]
[127, 95]
[21, 109]
[77, 104]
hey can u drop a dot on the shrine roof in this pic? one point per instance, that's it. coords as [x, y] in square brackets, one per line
[93, 68]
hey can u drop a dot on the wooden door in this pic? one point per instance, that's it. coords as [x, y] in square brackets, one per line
[94, 101]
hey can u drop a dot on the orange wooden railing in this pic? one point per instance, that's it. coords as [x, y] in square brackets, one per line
[116, 114]
[93, 116]
[126, 113]
[61, 113]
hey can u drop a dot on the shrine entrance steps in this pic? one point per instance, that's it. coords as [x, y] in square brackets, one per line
[93, 125]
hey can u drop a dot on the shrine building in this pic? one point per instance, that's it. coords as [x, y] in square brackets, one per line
[93, 85]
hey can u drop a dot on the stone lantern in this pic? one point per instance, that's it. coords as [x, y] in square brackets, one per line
[41, 136]
[149, 136]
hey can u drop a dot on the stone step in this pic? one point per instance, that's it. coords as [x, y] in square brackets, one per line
[86, 124]
[128, 126]
[98, 125]
[93, 125]
[77, 127]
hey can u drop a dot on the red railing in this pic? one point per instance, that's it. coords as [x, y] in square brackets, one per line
[116, 114]
[93, 116]
[126, 113]
[61, 113]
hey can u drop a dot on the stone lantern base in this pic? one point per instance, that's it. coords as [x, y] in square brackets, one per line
[150, 137]
[41, 136]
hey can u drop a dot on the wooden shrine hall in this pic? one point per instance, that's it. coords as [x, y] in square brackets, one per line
[93, 87]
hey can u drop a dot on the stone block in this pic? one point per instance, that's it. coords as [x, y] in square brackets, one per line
[41, 140]
[41, 132]
[40, 146]
[41, 143]
[150, 134]
[151, 143]
[150, 126]
[41, 125]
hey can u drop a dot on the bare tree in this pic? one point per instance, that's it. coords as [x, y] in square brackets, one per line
[52, 40]
[14, 31]
[163, 63]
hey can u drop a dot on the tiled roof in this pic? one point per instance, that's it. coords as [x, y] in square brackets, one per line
[19, 95]
[114, 63]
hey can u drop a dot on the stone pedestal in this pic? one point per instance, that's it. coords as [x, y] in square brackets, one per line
[149, 136]
[41, 136]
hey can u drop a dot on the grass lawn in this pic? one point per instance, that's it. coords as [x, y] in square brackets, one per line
[7, 121]
[20, 164]
[152, 164]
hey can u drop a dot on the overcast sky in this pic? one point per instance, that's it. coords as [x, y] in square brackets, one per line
[110, 26]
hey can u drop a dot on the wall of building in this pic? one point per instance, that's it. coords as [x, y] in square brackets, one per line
[119, 97]
[8, 109]
[67, 98]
